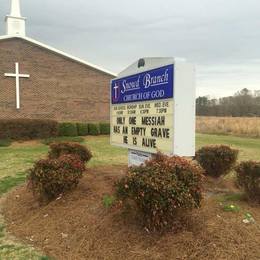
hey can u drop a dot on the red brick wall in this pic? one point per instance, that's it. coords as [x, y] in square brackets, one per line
[58, 88]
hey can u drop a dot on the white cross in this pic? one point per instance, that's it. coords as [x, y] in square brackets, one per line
[116, 88]
[17, 77]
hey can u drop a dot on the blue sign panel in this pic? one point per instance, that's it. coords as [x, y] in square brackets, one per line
[149, 85]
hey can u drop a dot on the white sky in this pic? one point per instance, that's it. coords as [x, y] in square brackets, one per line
[222, 37]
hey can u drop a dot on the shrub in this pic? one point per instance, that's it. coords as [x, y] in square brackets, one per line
[75, 139]
[5, 142]
[104, 128]
[24, 129]
[59, 149]
[68, 129]
[51, 177]
[217, 160]
[248, 178]
[93, 129]
[161, 188]
[82, 129]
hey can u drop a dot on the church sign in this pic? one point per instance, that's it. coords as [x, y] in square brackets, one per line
[155, 84]
[146, 106]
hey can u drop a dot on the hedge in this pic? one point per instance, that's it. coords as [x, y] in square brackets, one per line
[5, 142]
[93, 129]
[104, 128]
[24, 129]
[82, 129]
[68, 129]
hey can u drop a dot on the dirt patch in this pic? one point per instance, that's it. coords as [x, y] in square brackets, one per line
[77, 226]
[219, 185]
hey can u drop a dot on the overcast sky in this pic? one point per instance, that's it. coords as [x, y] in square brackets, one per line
[221, 37]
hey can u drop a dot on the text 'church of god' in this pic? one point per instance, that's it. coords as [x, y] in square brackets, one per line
[41, 82]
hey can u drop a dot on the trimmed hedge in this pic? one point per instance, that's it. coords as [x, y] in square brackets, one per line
[27, 129]
[82, 129]
[51, 177]
[248, 178]
[5, 142]
[24, 129]
[161, 188]
[68, 129]
[93, 129]
[217, 160]
[104, 128]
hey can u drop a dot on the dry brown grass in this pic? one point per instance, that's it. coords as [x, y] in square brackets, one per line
[239, 126]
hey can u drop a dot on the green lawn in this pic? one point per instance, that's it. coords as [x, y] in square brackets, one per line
[18, 158]
[249, 148]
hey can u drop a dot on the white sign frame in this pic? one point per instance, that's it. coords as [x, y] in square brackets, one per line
[184, 103]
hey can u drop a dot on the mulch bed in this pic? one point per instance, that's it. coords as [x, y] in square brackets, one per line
[78, 226]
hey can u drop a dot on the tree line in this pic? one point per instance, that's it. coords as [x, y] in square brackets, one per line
[244, 103]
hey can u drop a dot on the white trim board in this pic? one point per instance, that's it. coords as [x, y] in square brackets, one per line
[5, 37]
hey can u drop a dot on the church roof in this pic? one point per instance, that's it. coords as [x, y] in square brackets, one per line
[83, 62]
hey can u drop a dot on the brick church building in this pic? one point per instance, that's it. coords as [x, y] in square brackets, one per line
[41, 82]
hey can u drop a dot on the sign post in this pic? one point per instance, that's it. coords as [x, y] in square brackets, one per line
[153, 109]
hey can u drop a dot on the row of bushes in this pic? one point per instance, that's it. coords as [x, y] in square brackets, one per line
[24, 129]
[83, 129]
[159, 189]
[165, 186]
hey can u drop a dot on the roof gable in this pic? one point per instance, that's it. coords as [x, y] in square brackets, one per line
[37, 43]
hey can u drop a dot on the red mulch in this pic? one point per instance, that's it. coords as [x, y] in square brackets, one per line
[77, 226]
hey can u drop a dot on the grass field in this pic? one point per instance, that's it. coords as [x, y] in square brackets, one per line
[238, 126]
[249, 148]
[19, 157]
